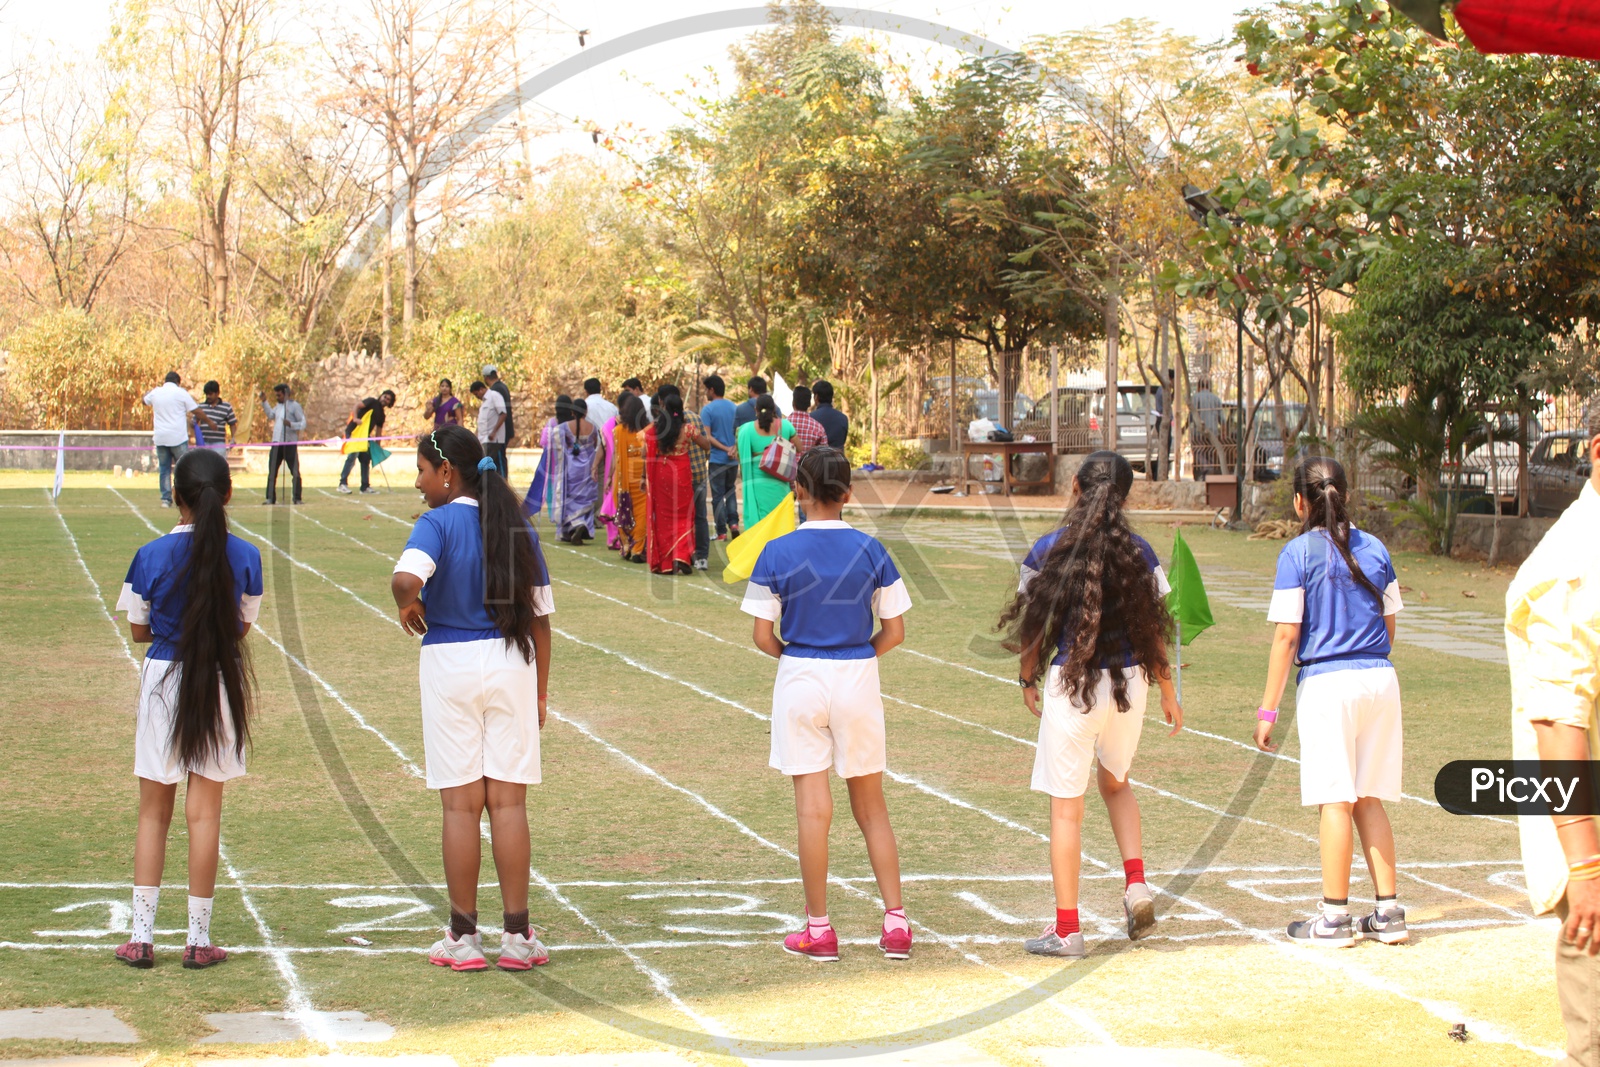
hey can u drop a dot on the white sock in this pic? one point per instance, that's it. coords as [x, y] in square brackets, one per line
[1335, 912]
[200, 921]
[144, 913]
[818, 924]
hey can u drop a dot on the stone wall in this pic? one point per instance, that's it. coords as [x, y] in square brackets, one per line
[343, 380]
[1518, 537]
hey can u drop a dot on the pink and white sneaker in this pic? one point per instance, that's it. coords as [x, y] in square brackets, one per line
[521, 952]
[463, 955]
[199, 957]
[824, 949]
[896, 944]
[140, 954]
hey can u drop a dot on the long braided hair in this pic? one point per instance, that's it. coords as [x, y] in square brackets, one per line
[1320, 482]
[1095, 593]
[511, 570]
[211, 648]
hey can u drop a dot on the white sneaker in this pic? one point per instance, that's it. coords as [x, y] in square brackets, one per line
[371, 492]
[521, 953]
[1139, 908]
[345, 489]
[463, 955]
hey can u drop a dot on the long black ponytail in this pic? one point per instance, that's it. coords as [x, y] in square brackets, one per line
[210, 646]
[766, 411]
[510, 569]
[1095, 590]
[1321, 483]
[669, 421]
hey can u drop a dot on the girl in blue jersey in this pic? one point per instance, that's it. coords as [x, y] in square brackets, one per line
[472, 583]
[1334, 602]
[191, 596]
[1090, 620]
[825, 582]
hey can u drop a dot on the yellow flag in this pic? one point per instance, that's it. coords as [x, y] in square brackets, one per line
[744, 550]
[357, 441]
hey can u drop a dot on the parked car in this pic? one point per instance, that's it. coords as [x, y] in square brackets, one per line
[974, 400]
[1557, 470]
[1269, 435]
[1079, 410]
[1506, 456]
[1216, 449]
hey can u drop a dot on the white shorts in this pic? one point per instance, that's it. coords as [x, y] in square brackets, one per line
[828, 713]
[1070, 738]
[480, 713]
[153, 754]
[1349, 723]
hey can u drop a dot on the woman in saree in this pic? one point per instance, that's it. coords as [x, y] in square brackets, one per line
[762, 492]
[627, 482]
[572, 489]
[671, 481]
[607, 476]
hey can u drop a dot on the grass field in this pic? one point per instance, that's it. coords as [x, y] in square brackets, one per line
[664, 875]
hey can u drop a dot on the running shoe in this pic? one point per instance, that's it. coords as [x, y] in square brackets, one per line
[345, 489]
[1051, 943]
[896, 944]
[1139, 907]
[199, 957]
[463, 955]
[369, 491]
[520, 952]
[140, 954]
[1324, 932]
[1385, 924]
[824, 949]
[701, 565]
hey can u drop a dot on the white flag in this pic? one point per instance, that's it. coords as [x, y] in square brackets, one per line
[782, 394]
[61, 463]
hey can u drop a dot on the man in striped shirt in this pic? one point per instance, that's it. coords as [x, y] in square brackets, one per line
[216, 433]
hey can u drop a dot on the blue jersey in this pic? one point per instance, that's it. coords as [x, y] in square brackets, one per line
[1341, 623]
[718, 417]
[1034, 563]
[445, 550]
[155, 592]
[826, 581]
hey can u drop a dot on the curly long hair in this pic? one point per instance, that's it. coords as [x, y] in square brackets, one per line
[511, 570]
[1095, 593]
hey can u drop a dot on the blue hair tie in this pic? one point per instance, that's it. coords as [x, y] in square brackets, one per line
[487, 464]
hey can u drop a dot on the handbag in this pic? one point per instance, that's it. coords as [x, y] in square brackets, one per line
[625, 511]
[780, 460]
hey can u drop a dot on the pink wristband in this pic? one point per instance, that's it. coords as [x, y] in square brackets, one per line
[1265, 715]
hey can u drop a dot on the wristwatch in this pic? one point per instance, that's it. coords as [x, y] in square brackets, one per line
[1027, 684]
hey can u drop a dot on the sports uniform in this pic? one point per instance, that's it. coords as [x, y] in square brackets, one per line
[154, 594]
[1347, 696]
[480, 710]
[823, 584]
[1071, 736]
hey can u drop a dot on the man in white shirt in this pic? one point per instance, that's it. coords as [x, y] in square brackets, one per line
[170, 406]
[601, 410]
[492, 424]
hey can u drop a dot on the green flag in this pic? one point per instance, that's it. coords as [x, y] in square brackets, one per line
[1187, 601]
[378, 453]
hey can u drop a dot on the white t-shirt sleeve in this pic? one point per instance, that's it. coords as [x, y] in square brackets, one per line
[1028, 575]
[1162, 585]
[1288, 588]
[891, 601]
[137, 607]
[189, 402]
[1392, 604]
[249, 607]
[416, 561]
[761, 602]
[544, 601]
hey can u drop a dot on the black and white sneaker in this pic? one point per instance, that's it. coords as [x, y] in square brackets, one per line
[1384, 924]
[1324, 932]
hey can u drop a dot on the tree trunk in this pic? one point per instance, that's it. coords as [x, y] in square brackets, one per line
[1113, 323]
[872, 371]
[408, 310]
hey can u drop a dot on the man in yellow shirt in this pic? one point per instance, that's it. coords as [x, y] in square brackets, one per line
[1553, 642]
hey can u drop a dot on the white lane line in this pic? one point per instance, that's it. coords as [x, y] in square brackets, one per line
[298, 1000]
[99, 597]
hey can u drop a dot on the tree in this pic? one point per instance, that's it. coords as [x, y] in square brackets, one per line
[203, 60]
[415, 72]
